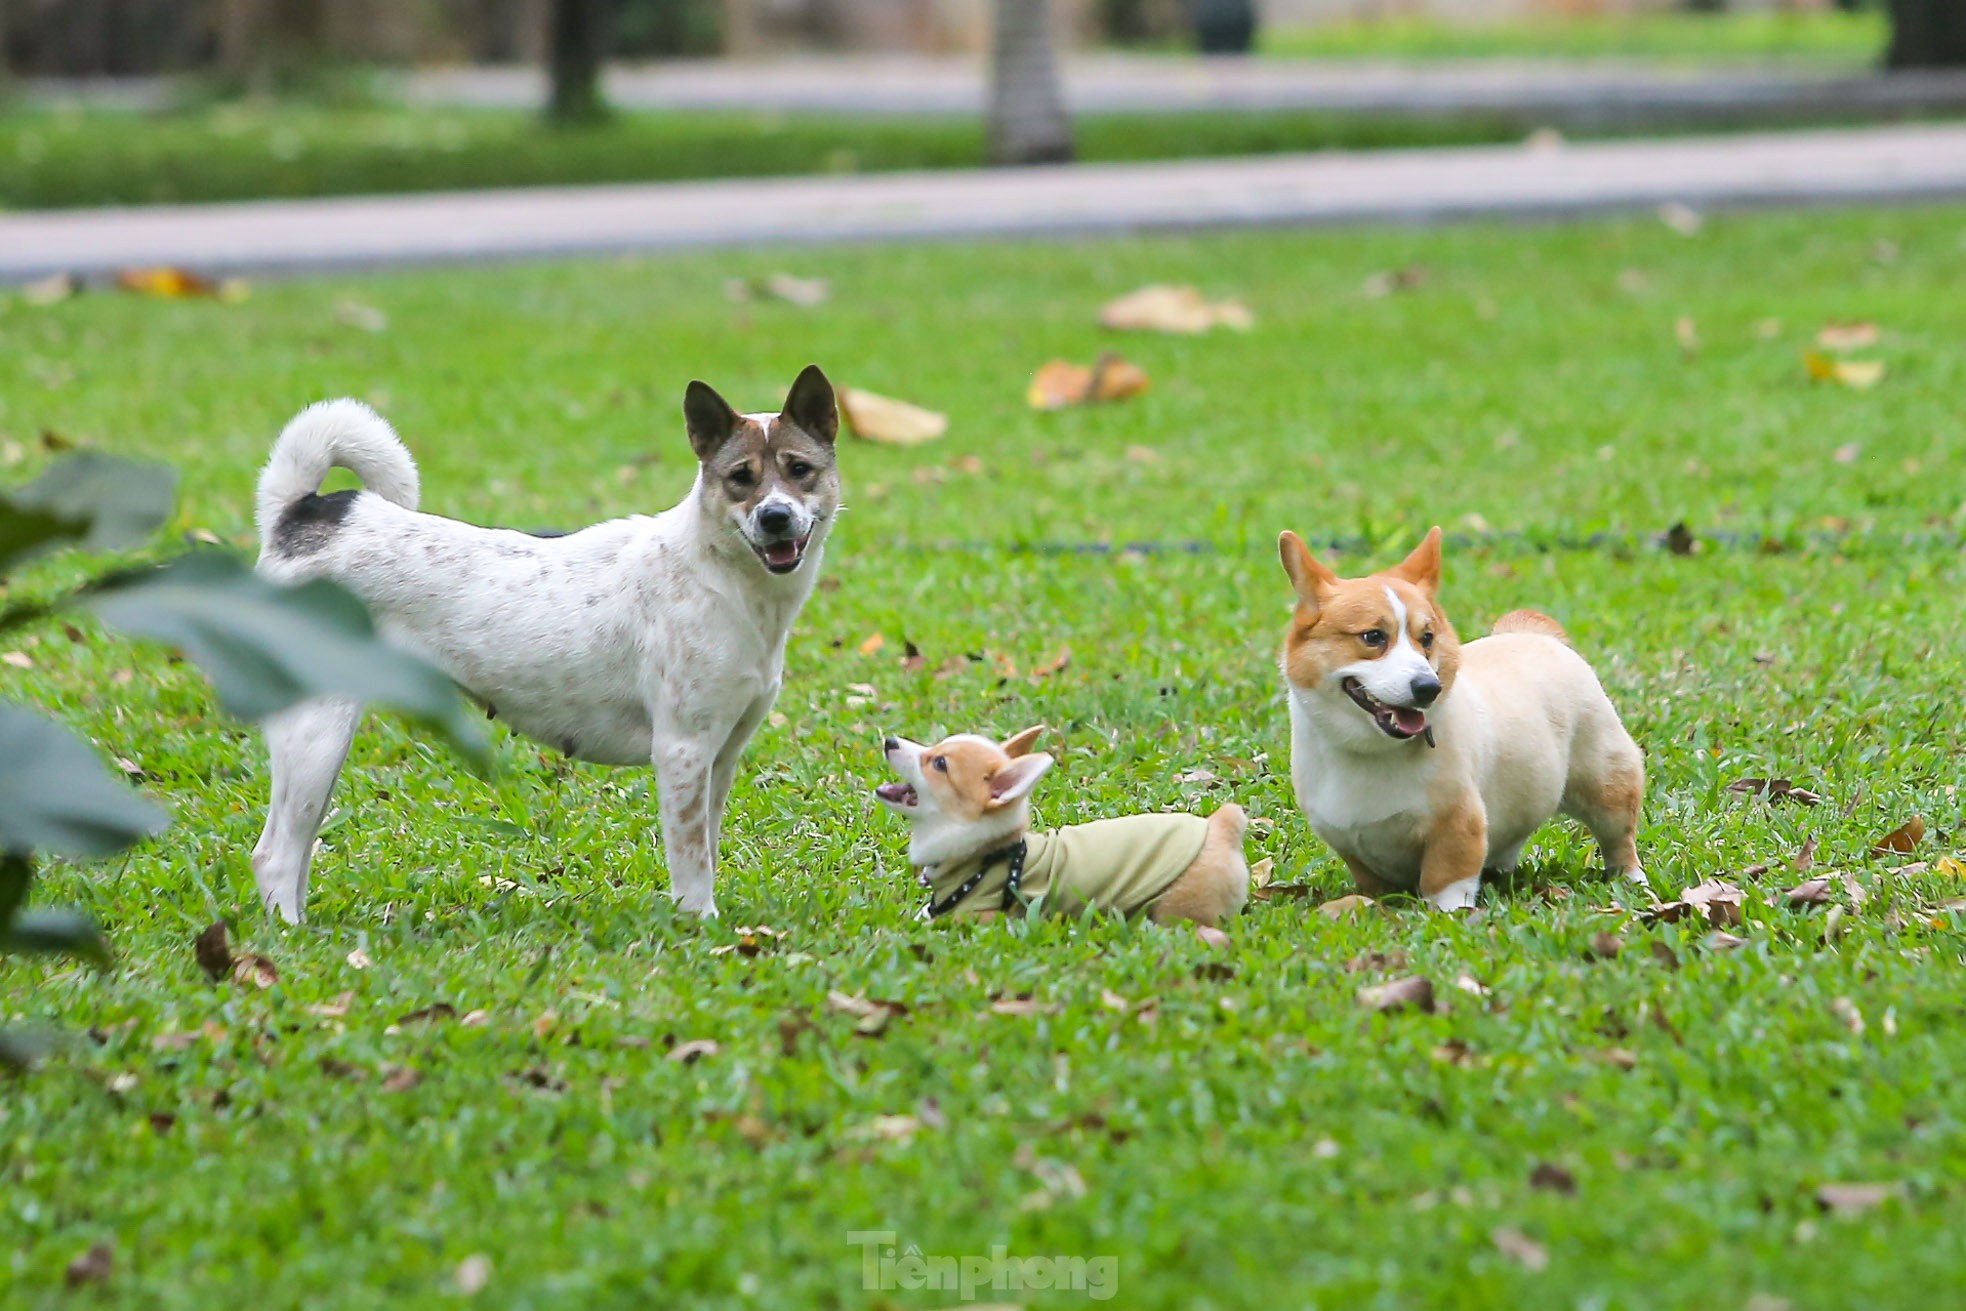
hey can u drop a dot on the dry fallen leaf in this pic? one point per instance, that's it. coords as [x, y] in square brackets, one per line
[1846, 453]
[1687, 334]
[795, 290]
[18, 659]
[172, 283]
[1056, 664]
[1681, 218]
[1850, 1016]
[1858, 375]
[399, 1078]
[51, 290]
[1553, 1178]
[1413, 993]
[872, 644]
[1775, 789]
[1720, 899]
[1340, 907]
[213, 949]
[1161, 308]
[92, 1267]
[359, 959]
[689, 1053]
[1520, 1248]
[441, 1010]
[1606, 946]
[883, 419]
[473, 1273]
[1020, 1006]
[355, 314]
[1061, 383]
[1380, 285]
[1847, 336]
[1902, 839]
[251, 967]
[1849, 1199]
[1259, 875]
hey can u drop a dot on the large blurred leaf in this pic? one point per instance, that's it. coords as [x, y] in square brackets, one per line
[104, 502]
[265, 646]
[56, 930]
[56, 796]
[20, 1049]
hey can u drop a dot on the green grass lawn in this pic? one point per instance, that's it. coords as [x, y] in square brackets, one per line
[1230, 1126]
[1679, 37]
[231, 152]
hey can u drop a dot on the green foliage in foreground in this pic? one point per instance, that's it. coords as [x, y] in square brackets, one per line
[1229, 1125]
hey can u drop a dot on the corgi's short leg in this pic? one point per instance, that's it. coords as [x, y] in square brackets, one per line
[1368, 883]
[1608, 797]
[1216, 886]
[1450, 867]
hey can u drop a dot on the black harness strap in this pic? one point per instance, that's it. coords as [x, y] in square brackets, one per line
[1014, 853]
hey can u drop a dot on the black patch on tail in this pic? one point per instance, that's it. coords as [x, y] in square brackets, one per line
[309, 523]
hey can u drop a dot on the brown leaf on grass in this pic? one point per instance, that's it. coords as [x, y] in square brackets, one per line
[1846, 453]
[1553, 1178]
[1848, 1014]
[1455, 1052]
[336, 1068]
[1858, 375]
[1025, 1005]
[255, 969]
[355, 314]
[359, 959]
[912, 659]
[51, 290]
[92, 1267]
[169, 282]
[1687, 334]
[1619, 1057]
[1282, 892]
[793, 290]
[1720, 900]
[399, 1078]
[1663, 954]
[872, 643]
[1901, 840]
[1061, 383]
[1851, 1199]
[1412, 993]
[1805, 858]
[437, 1010]
[1373, 961]
[333, 1010]
[1847, 336]
[1679, 539]
[1056, 664]
[1212, 937]
[689, 1053]
[1812, 892]
[1520, 1248]
[1775, 789]
[1339, 908]
[1385, 283]
[1720, 940]
[1182, 310]
[1605, 946]
[213, 949]
[1259, 876]
[872, 1014]
[752, 941]
[875, 418]
[1142, 454]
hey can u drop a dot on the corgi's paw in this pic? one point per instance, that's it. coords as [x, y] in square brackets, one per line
[1456, 896]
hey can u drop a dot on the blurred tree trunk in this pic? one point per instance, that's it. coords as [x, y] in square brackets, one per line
[1927, 34]
[574, 41]
[740, 34]
[1028, 123]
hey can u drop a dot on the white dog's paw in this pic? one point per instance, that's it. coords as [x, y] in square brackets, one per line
[703, 907]
[1456, 896]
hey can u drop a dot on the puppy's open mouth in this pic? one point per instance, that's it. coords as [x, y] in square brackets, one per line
[896, 794]
[782, 557]
[1401, 722]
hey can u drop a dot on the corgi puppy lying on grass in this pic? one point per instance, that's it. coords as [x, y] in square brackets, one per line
[968, 800]
[1423, 762]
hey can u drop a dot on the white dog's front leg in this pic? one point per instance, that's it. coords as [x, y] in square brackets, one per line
[683, 768]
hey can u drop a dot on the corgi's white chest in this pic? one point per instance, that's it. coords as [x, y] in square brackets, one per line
[1370, 809]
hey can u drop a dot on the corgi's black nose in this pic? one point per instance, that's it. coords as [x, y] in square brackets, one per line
[1425, 688]
[891, 744]
[775, 519]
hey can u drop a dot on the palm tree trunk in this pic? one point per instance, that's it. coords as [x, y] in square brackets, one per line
[1927, 34]
[1028, 123]
[573, 60]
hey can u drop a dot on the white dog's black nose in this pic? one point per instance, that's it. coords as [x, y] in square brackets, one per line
[775, 519]
[1425, 688]
[891, 744]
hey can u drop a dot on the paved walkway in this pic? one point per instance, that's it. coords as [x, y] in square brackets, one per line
[1573, 92]
[1870, 164]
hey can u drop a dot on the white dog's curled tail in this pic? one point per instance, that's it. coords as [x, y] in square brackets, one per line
[343, 434]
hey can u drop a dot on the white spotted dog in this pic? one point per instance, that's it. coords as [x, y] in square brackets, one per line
[650, 639]
[1423, 762]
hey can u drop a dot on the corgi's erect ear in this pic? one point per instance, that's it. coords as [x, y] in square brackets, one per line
[1422, 568]
[1020, 745]
[1014, 781]
[1311, 579]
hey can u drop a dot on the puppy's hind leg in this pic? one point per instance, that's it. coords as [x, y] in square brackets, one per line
[1216, 886]
[1608, 799]
[308, 743]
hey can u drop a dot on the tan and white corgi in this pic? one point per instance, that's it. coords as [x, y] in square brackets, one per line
[1423, 762]
[968, 800]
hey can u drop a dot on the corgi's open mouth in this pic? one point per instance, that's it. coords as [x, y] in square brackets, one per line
[1401, 722]
[897, 794]
[782, 557]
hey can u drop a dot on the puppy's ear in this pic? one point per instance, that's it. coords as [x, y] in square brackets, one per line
[709, 418]
[1021, 744]
[1014, 781]
[1422, 568]
[811, 405]
[1312, 581]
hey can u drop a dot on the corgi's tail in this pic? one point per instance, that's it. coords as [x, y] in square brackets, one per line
[344, 434]
[1531, 621]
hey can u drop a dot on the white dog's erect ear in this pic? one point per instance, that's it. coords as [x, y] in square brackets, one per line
[1020, 745]
[811, 405]
[1014, 781]
[1311, 580]
[709, 418]
[1422, 568]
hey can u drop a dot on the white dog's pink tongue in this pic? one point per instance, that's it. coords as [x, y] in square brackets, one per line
[1411, 721]
[781, 552]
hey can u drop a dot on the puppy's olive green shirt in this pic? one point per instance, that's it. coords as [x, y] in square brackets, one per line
[1121, 865]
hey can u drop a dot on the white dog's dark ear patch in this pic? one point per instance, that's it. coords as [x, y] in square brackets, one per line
[811, 405]
[709, 418]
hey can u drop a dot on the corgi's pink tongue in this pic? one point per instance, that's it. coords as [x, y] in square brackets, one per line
[1411, 720]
